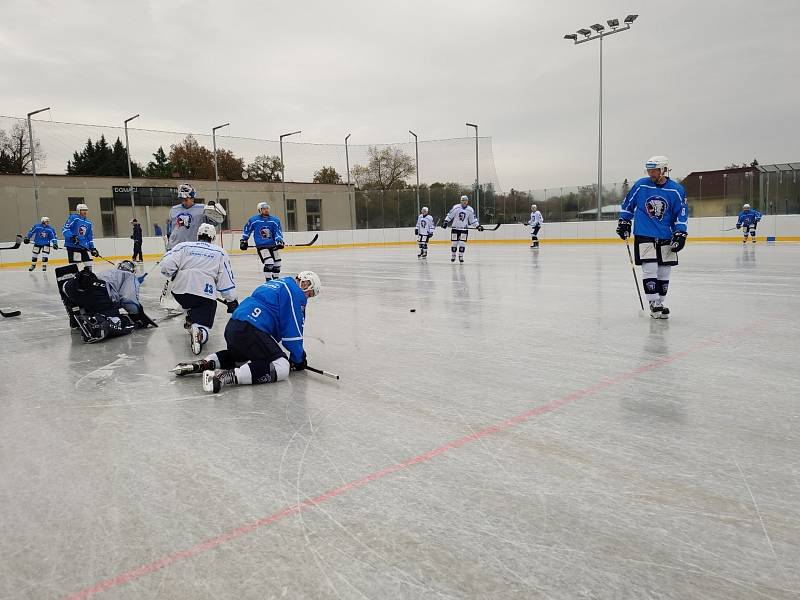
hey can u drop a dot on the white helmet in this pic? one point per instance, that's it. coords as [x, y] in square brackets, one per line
[45, 220]
[261, 206]
[424, 210]
[533, 207]
[185, 190]
[315, 285]
[463, 198]
[746, 207]
[658, 162]
[207, 229]
[81, 207]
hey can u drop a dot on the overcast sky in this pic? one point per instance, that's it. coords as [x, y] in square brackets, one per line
[704, 82]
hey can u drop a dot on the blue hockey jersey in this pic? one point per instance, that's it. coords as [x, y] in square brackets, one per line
[277, 308]
[80, 227]
[746, 217]
[657, 211]
[266, 231]
[41, 235]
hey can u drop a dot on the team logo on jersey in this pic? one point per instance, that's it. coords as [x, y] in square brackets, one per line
[656, 207]
[43, 234]
[265, 233]
[82, 230]
[183, 220]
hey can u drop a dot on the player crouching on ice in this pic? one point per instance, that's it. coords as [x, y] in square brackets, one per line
[273, 315]
[424, 231]
[748, 219]
[268, 236]
[93, 301]
[43, 236]
[461, 217]
[657, 206]
[198, 271]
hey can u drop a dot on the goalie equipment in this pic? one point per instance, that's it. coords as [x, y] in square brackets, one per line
[207, 230]
[127, 265]
[185, 190]
[314, 281]
[214, 212]
[657, 162]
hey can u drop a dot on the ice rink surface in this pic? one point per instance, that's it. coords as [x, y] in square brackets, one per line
[526, 433]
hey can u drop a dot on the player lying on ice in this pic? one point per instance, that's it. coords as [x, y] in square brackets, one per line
[273, 315]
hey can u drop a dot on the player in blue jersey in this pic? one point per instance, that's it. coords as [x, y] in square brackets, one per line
[657, 206]
[748, 221]
[268, 237]
[79, 238]
[43, 236]
[272, 316]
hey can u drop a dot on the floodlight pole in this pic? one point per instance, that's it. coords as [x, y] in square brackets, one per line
[416, 154]
[599, 34]
[349, 196]
[477, 174]
[33, 157]
[216, 169]
[283, 168]
[130, 173]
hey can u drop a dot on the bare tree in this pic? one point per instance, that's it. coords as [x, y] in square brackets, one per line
[15, 151]
[387, 168]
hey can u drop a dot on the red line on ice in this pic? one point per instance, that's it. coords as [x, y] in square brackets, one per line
[165, 561]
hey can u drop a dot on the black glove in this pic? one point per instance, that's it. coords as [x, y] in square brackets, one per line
[299, 366]
[242, 245]
[416, 232]
[55, 245]
[738, 226]
[480, 227]
[94, 252]
[678, 241]
[232, 305]
[131, 237]
[280, 245]
[74, 239]
[445, 224]
[26, 241]
[623, 229]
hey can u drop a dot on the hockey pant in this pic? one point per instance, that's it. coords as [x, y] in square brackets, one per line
[271, 259]
[260, 356]
[535, 234]
[137, 250]
[458, 241]
[36, 250]
[422, 241]
[200, 311]
[76, 256]
[749, 230]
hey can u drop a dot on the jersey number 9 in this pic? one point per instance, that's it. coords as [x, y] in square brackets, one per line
[256, 312]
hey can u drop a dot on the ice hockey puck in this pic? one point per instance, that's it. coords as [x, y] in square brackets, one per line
[413, 310]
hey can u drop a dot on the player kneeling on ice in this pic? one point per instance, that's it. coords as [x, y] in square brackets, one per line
[461, 217]
[198, 271]
[657, 206]
[42, 236]
[268, 236]
[536, 221]
[424, 231]
[273, 315]
[748, 221]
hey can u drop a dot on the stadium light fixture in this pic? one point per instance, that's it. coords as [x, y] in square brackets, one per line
[216, 170]
[599, 33]
[33, 157]
[477, 173]
[283, 169]
[130, 174]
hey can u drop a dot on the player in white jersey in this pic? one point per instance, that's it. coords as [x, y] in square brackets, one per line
[424, 231]
[185, 218]
[199, 270]
[536, 221]
[461, 217]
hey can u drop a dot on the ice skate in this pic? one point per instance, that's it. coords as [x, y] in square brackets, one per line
[213, 381]
[754, 240]
[199, 336]
[460, 258]
[44, 267]
[188, 368]
[656, 309]
[32, 267]
[453, 258]
[664, 312]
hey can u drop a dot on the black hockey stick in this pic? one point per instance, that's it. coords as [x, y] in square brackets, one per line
[633, 270]
[321, 372]
[113, 264]
[487, 228]
[730, 229]
[17, 243]
[10, 313]
[311, 243]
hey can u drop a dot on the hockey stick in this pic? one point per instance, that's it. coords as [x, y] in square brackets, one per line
[311, 243]
[113, 264]
[321, 372]
[633, 270]
[486, 228]
[17, 243]
[10, 313]
[731, 229]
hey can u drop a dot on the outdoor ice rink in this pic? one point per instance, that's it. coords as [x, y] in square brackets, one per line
[526, 433]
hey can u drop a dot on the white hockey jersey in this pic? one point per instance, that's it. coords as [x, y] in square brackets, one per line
[461, 217]
[536, 219]
[425, 225]
[201, 269]
[183, 223]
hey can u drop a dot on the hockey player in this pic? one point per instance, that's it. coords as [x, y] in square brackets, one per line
[185, 218]
[748, 219]
[199, 270]
[536, 221]
[424, 231]
[271, 316]
[43, 237]
[123, 287]
[461, 216]
[78, 238]
[268, 236]
[657, 206]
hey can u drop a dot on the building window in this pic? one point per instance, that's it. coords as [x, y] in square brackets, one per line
[291, 214]
[313, 215]
[73, 204]
[107, 217]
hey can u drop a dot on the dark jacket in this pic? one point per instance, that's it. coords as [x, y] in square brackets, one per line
[137, 232]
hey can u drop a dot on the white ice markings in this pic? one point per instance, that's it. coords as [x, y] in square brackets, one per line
[107, 371]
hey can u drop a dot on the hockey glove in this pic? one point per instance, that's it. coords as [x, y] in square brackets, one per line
[445, 224]
[416, 232]
[738, 226]
[74, 239]
[242, 245]
[55, 245]
[299, 366]
[279, 245]
[141, 279]
[480, 227]
[94, 252]
[232, 305]
[678, 241]
[26, 241]
[623, 229]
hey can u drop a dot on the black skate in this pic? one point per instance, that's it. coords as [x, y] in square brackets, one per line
[189, 368]
[32, 267]
[214, 381]
[656, 310]
[664, 312]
